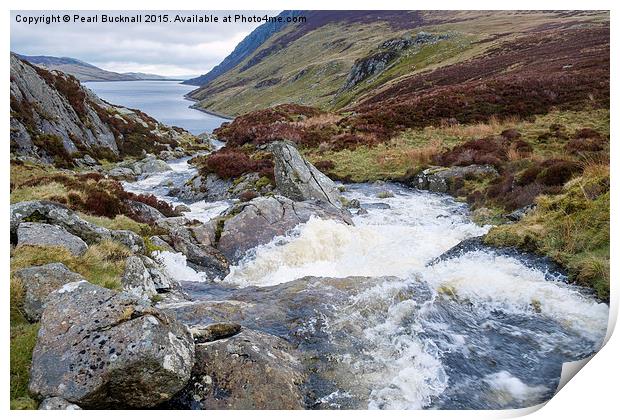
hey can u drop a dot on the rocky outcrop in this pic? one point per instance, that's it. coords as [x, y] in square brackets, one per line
[55, 214]
[448, 180]
[43, 234]
[47, 212]
[250, 370]
[257, 222]
[389, 51]
[298, 179]
[101, 349]
[55, 119]
[38, 282]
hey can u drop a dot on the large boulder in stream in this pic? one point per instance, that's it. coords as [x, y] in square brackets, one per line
[257, 222]
[98, 348]
[250, 370]
[298, 179]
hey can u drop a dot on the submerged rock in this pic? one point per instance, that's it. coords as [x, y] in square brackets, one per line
[298, 179]
[257, 222]
[44, 234]
[250, 370]
[101, 349]
[39, 281]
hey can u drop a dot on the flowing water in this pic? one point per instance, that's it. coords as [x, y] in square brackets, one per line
[478, 328]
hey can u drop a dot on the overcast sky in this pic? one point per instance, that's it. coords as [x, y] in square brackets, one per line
[169, 49]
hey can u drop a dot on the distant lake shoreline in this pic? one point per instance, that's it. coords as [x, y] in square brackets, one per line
[163, 100]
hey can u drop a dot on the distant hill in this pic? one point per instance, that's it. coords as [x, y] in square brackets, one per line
[340, 59]
[85, 72]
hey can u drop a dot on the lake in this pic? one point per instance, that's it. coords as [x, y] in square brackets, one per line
[161, 99]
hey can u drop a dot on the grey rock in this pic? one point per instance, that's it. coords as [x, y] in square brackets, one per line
[353, 204]
[56, 214]
[152, 166]
[137, 279]
[520, 213]
[57, 403]
[39, 281]
[145, 212]
[257, 222]
[250, 370]
[101, 349]
[44, 234]
[182, 208]
[216, 331]
[161, 281]
[160, 243]
[444, 180]
[130, 239]
[298, 179]
[122, 173]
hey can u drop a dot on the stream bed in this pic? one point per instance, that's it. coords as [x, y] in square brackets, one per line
[384, 321]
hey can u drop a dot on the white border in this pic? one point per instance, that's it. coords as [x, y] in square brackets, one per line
[593, 394]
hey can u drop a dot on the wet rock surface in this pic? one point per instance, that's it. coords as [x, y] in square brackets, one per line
[102, 349]
[250, 370]
[258, 221]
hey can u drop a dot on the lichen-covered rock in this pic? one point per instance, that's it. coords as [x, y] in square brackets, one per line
[257, 222]
[298, 179]
[151, 165]
[216, 331]
[57, 403]
[444, 180]
[55, 214]
[102, 349]
[39, 281]
[44, 234]
[137, 279]
[130, 239]
[250, 370]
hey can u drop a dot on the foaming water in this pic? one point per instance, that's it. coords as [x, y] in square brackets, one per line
[160, 184]
[481, 330]
[479, 322]
[394, 241]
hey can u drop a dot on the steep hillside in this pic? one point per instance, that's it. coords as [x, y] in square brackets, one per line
[54, 118]
[335, 58]
[244, 49]
[83, 71]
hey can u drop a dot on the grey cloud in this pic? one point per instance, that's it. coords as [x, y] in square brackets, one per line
[165, 48]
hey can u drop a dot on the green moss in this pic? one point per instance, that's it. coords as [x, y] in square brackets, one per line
[262, 182]
[150, 246]
[572, 228]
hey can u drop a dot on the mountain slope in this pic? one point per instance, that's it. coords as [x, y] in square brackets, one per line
[336, 57]
[54, 118]
[246, 47]
[83, 71]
